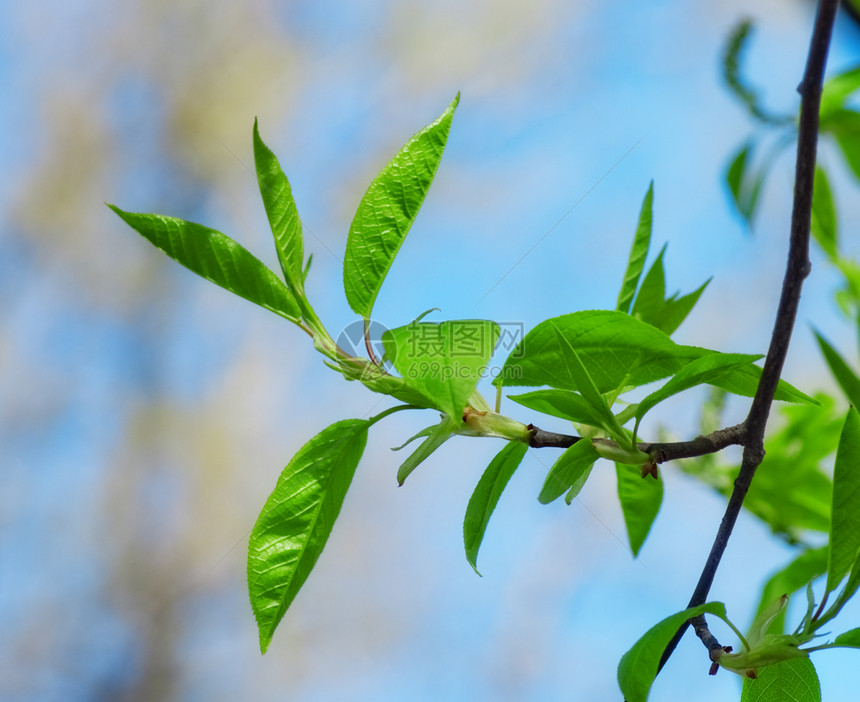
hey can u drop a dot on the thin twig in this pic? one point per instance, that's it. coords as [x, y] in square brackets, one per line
[659, 452]
[797, 269]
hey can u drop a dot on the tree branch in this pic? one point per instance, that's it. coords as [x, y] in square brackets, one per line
[659, 452]
[797, 269]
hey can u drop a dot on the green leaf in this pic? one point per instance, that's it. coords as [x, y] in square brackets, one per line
[744, 381]
[652, 295]
[847, 592]
[850, 639]
[560, 403]
[569, 472]
[845, 514]
[387, 211]
[297, 519]
[837, 89]
[707, 369]
[844, 125]
[810, 564]
[794, 680]
[824, 225]
[576, 370]
[217, 258]
[617, 349]
[847, 379]
[677, 309]
[744, 184]
[652, 305]
[737, 83]
[282, 213]
[436, 436]
[640, 502]
[486, 496]
[443, 361]
[638, 667]
[638, 253]
[735, 174]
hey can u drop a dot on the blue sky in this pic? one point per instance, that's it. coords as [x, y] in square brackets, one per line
[146, 414]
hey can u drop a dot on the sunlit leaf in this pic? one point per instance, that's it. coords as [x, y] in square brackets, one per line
[850, 639]
[707, 369]
[575, 369]
[640, 502]
[638, 667]
[652, 294]
[486, 496]
[387, 211]
[217, 258]
[443, 361]
[436, 436]
[617, 349]
[638, 253]
[794, 680]
[282, 213]
[297, 519]
[571, 470]
[845, 514]
[652, 305]
[565, 404]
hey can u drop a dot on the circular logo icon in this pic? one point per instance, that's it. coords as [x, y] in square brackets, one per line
[351, 340]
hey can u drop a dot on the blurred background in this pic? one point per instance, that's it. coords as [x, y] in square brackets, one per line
[146, 414]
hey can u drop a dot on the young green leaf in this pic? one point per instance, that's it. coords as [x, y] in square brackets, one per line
[486, 496]
[652, 294]
[617, 349]
[569, 472]
[640, 502]
[638, 253]
[297, 519]
[652, 305]
[560, 403]
[387, 211]
[845, 513]
[217, 258]
[848, 591]
[847, 379]
[443, 361]
[436, 436]
[282, 213]
[744, 382]
[793, 680]
[804, 569]
[824, 224]
[638, 667]
[707, 369]
[576, 370]
[850, 639]
[676, 309]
